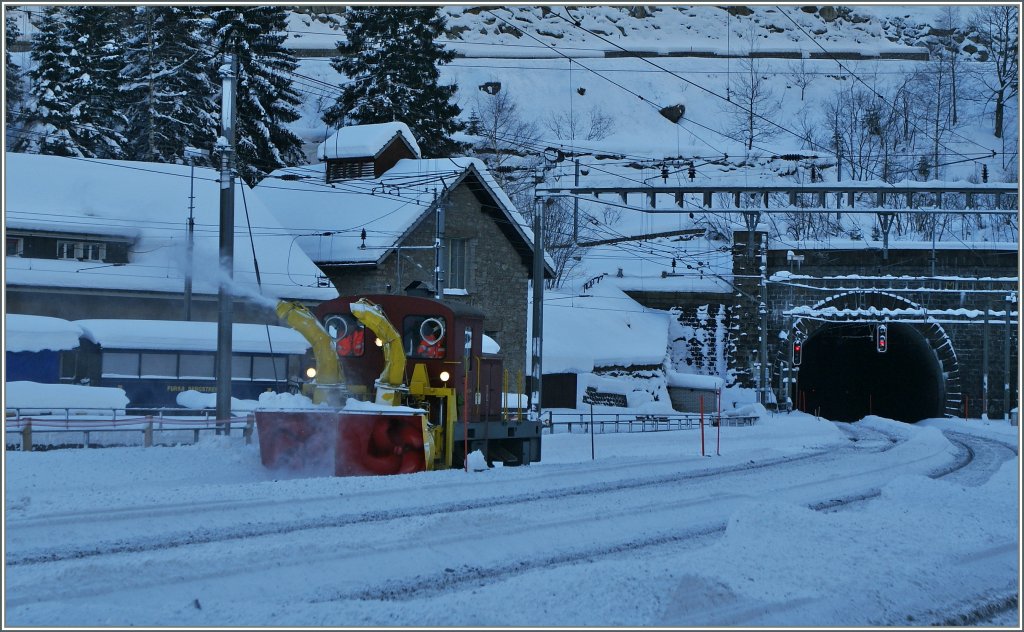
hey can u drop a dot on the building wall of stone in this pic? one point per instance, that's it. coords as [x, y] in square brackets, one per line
[497, 280]
[965, 387]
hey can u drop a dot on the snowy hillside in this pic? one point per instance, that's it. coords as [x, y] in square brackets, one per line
[561, 71]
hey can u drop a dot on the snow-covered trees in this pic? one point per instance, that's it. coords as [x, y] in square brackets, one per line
[171, 101]
[996, 28]
[74, 107]
[97, 36]
[391, 59]
[48, 126]
[507, 144]
[754, 105]
[12, 86]
[267, 100]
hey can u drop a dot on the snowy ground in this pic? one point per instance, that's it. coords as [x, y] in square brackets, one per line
[799, 522]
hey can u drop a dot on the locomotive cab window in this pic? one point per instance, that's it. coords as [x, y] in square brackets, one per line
[348, 333]
[424, 336]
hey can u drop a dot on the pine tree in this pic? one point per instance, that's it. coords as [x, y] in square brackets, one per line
[12, 83]
[171, 100]
[391, 59]
[97, 34]
[48, 126]
[266, 99]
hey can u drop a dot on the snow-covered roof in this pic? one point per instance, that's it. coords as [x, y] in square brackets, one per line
[359, 141]
[698, 382]
[178, 335]
[26, 332]
[609, 329]
[149, 204]
[331, 217]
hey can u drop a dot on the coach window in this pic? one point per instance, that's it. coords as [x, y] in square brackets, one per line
[120, 364]
[196, 366]
[269, 368]
[160, 365]
[241, 367]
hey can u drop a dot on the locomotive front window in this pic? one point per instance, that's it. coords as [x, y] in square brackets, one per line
[424, 336]
[348, 334]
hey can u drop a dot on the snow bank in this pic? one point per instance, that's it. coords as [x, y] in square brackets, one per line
[33, 398]
[199, 401]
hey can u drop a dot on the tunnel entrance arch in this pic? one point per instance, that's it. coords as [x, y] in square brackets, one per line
[843, 376]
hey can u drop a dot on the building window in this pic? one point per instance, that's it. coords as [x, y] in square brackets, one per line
[457, 263]
[15, 246]
[82, 250]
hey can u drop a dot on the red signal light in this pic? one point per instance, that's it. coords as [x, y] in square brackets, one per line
[882, 338]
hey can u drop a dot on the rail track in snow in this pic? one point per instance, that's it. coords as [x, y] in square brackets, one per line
[456, 522]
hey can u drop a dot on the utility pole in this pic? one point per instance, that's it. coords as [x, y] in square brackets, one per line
[1006, 358]
[763, 309]
[191, 153]
[576, 208]
[538, 307]
[984, 362]
[438, 235]
[226, 145]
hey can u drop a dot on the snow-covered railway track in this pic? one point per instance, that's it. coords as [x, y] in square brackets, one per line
[366, 558]
[64, 544]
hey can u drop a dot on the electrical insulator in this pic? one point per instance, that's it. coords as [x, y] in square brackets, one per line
[882, 338]
[664, 173]
[814, 173]
[692, 171]
[984, 173]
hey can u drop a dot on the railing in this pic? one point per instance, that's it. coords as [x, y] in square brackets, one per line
[608, 423]
[53, 427]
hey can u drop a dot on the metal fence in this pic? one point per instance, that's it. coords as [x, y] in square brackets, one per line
[41, 429]
[609, 423]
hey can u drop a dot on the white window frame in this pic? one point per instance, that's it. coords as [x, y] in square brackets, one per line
[457, 264]
[81, 250]
[18, 246]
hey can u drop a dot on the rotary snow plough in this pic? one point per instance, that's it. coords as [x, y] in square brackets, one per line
[372, 416]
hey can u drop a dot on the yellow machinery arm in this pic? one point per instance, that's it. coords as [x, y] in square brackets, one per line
[389, 384]
[328, 368]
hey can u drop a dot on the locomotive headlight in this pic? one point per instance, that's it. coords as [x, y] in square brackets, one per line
[444, 376]
[378, 342]
[311, 372]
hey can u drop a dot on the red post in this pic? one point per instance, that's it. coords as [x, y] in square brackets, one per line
[870, 403]
[967, 408]
[702, 425]
[718, 447]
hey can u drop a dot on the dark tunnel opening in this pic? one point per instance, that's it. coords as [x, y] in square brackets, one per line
[843, 377]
